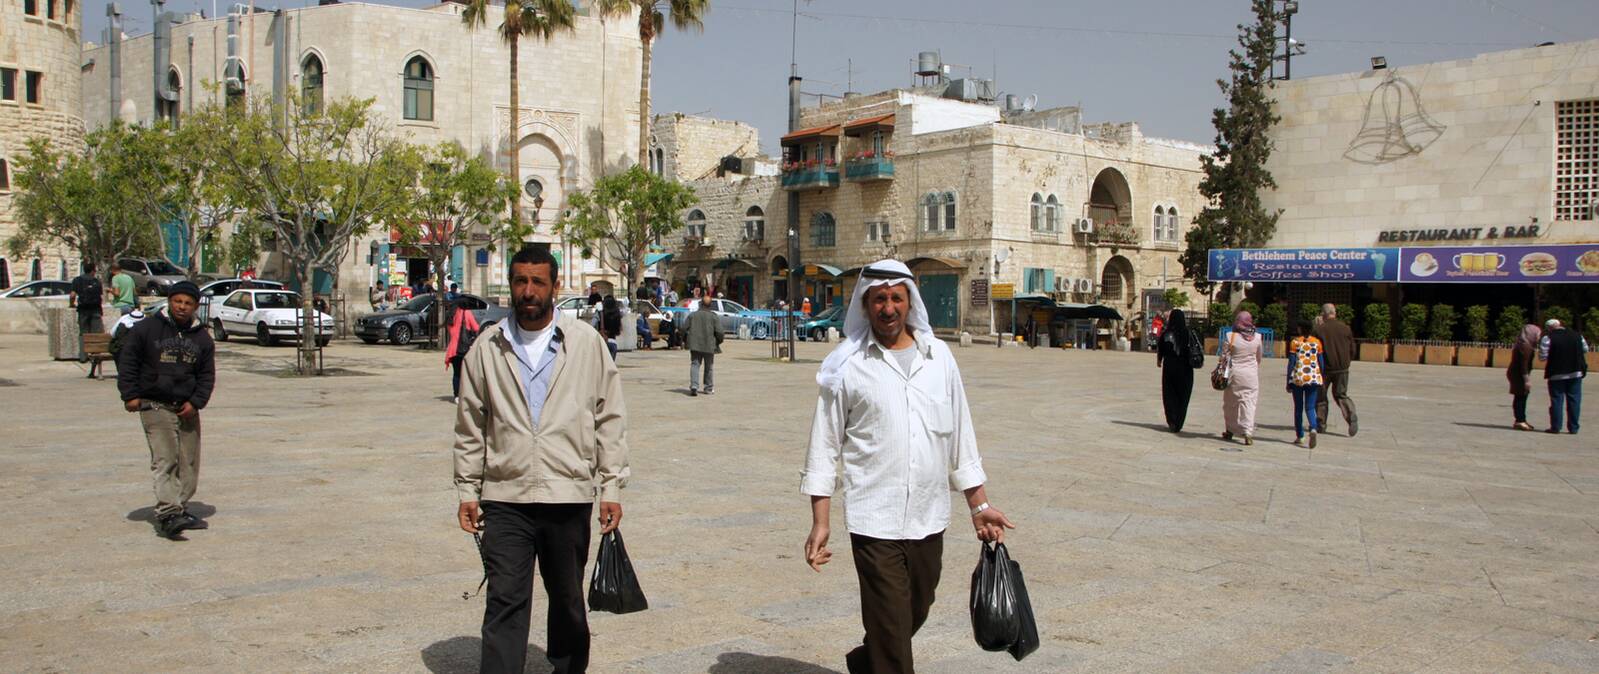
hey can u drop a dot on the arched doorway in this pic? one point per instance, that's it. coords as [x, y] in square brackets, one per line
[1116, 287]
[543, 193]
[1110, 203]
[779, 267]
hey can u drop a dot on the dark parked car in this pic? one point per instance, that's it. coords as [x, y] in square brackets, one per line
[410, 320]
[39, 289]
[816, 328]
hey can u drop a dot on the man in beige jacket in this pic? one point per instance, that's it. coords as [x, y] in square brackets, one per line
[540, 431]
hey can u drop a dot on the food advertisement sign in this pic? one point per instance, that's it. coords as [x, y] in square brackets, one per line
[1573, 263]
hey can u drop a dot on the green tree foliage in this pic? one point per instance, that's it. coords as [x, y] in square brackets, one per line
[1378, 325]
[457, 196]
[542, 19]
[1175, 298]
[1236, 174]
[652, 18]
[311, 180]
[1275, 317]
[80, 200]
[1511, 320]
[1412, 321]
[621, 215]
[1346, 315]
[1590, 325]
[1252, 308]
[176, 182]
[1441, 323]
[1219, 313]
[1556, 312]
[1308, 311]
[1477, 323]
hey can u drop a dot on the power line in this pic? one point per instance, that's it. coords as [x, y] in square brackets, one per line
[1103, 31]
[1493, 4]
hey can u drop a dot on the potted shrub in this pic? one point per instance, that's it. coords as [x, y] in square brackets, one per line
[1590, 329]
[1377, 328]
[1475, 352]
[1412, 321]
[1220, 316]
[1511, 320]
[1346, 315]
[1275, 317]
[1308, 311]
[1441, 332]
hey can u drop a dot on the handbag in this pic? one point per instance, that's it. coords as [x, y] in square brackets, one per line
[1196, 353]
[1221, 377]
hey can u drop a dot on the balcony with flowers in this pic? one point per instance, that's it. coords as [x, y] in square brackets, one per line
[810, 158]
[810, 174]
[868, 165]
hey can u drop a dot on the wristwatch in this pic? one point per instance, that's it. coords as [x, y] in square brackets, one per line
[979, 509]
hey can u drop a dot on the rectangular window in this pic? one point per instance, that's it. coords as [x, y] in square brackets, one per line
[949, 212]
[30, 7]
[823, 233]
[8, 84]
[5, 176]
[33, 90]
[1577, 160]
[1037, 280]
[50, 9]
[877, 231]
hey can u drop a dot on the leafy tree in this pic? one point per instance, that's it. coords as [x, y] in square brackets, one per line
[1308, 311]
[80, 200]
[1175, 298]
[1477, 323]
[1275, 317]
[1590, 325]
[1346, 315]
[652, 17]
[1511, 321]
[458, 196]
[1412, 320]
[1379, 325]
[1236, 173]
[175, 181]
[622, 215]
[311, 180]
[1252, 308]
[1219, 313]
[542, 19]
[1441, 323]
[1556, 312]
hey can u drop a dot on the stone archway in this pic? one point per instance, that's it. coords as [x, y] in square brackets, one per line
[1116, 286]
[1110, 201]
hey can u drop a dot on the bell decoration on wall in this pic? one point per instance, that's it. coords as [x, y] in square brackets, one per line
[1395, 126]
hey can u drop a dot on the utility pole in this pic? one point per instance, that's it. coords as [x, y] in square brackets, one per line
[1291, 47]
[795, 270]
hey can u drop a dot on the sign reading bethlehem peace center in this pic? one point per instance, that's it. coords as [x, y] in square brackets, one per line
[1352, 265]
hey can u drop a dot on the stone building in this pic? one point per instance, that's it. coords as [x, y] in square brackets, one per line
[432, 79]
[39, 97]
[968, 193]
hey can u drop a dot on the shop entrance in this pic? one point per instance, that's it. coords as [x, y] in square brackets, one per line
[941, 295]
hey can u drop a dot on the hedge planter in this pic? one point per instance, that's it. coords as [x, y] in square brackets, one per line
[1593, 360]
[1374, 352]
[1278, 349]
[1211, 344]
[1502, 356]
[1407, 353]
[1472, 356]
[1440, 355]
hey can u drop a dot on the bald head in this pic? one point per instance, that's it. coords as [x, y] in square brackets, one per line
[1329, 310]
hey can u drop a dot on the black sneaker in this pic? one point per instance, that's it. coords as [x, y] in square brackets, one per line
[708, 391]
[195, 522]
[170, 526]
[693, 392]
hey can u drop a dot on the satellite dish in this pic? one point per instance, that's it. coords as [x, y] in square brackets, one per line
[1002, 255]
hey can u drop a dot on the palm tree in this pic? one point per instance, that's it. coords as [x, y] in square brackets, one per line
[536, 18]
[685, 14]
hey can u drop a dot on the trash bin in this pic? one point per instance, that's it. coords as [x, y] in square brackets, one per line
[61, 329]
[628, 340]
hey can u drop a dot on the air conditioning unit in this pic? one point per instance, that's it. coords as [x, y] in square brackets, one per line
[1063, 284]
[1085, 285]
[1084, 226]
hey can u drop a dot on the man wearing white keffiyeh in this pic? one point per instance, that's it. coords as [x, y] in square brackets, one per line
[893, 410]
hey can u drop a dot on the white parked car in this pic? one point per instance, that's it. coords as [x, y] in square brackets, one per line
[268, 315]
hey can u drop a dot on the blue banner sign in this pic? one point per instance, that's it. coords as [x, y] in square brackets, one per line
[1350, 265]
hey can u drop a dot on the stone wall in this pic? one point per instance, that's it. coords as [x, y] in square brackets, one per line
[693, 147]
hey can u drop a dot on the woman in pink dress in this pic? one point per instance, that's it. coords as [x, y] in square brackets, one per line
[1243, 351]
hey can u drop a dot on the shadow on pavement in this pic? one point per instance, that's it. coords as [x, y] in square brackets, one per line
[1494, 427]
[146, 514]
[460, 655]
[749, 663]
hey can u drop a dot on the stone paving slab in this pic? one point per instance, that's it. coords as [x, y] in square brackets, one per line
[1438, 540]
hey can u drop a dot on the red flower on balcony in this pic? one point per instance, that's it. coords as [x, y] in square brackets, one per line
[831, 162]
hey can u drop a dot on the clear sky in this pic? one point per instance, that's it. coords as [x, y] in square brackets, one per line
[1150, 61]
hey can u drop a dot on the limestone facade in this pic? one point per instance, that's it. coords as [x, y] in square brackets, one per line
[689, 148]
[578, 97]
[990, 169]
[39, 59]
[1461, 144]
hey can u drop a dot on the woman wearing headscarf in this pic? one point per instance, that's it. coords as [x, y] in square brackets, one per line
[1172, 355]
[1520, 373]
[1243, 352]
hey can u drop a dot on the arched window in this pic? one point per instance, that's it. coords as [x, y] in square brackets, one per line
[754, 224]
[418, 89]
[1052, 214]
[824, 231]
[311, 84]
[930, 210]
[165, 108]
[5, 176]
[1171, 224]
[233, 86]
[36, 270]
[1160, 223]
[5, 273]
[949, 211]
[695, 224]
[660, 161]
[1037, 219]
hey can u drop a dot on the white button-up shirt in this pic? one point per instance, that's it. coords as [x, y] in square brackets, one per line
[905, 439]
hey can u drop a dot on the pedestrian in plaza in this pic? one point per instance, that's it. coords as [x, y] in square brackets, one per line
[594, 298]
[1174, 356]
[533, 451]
[671, 297]
[462, 332]
[702, 333]
[166, 371]
[805, 308]
[119, 330]
[1522, 355]
[646, 338]
[1306, 362]
[453, 294]
[87, 295]
[610, 322]
[668, 329]
[892, 408]
[1338, 344]
[1243, 352]
[1564, 353]
[124, 296]
[377, 296]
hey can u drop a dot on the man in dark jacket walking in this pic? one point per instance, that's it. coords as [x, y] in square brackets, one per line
[87, 296]
[166, 371]
[703, 335]
[1338, 348]
[1565, 364]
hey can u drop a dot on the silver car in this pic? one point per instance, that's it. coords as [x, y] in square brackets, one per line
[151, 277]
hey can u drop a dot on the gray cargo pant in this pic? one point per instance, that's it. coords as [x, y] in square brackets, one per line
[174, 456]
[695, 358]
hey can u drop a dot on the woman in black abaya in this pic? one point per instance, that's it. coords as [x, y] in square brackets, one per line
[1176, 371]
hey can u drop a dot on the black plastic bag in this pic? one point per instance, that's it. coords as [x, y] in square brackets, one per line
[996, 622]
[1026, 637]
[613, 588]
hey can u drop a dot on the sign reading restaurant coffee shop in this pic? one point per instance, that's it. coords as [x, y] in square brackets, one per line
[1374, 265]
[1459, 234]
[1568, 263]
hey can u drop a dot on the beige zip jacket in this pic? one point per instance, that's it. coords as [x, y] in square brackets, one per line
[579, 447]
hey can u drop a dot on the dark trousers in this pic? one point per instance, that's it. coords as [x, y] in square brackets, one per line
[1518, 405]
[1565, 396]
[1336, 388]
[455, 379]
[557, 534]
[898, 579]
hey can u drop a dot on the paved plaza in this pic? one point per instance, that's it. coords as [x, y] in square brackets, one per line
[1438, 540]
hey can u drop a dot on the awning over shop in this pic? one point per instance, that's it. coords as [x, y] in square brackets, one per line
[728, 262]
[653, 258]
[860, 126]
[813, 133]
[946, 261]
[1071, 310]
[815, 269]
